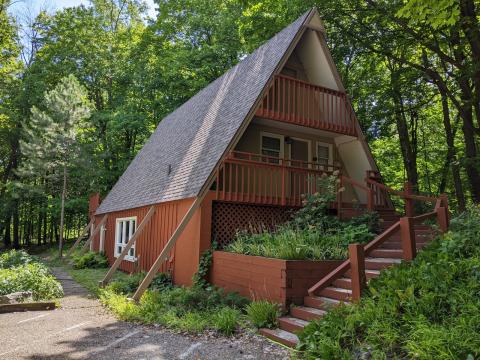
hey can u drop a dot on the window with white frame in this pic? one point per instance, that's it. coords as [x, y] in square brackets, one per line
[272, 147]
[324, 155]
[124, 230]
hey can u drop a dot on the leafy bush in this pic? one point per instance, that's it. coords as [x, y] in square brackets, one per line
[90, 260]
[188, 309]
[426, 309]
[226, 320]
[33, 277]
[290, 243]
[263, 314]
[127, 285]
[14, 258]
[312, 234]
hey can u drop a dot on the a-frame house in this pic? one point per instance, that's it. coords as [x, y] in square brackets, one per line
[243, 149]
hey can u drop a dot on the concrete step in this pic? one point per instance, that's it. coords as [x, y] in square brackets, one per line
[292, 324]
[336, 293]
[321, 302]
[380, 263]
[307, 313]
[283, 337]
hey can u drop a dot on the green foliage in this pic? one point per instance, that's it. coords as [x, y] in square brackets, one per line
[14, 258]
[263, 314]
[200, 277]
[20, 272]
[90, 260]
[226, 320]
[188, 309]
[425, 309]
[312, 234]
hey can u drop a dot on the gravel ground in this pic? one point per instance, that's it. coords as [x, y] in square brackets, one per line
[83, 329]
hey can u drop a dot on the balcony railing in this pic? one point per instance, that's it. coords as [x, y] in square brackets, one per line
[297, 102]
[260, 179]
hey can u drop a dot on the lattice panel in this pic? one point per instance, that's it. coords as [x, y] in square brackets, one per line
[228, 218]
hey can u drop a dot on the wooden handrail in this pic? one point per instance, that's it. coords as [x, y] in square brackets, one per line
[380, 239]
[401, 193]
[331, 276]
[355, 183]
[318, 87]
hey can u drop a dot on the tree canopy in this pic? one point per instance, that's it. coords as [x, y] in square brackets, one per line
[411, 68]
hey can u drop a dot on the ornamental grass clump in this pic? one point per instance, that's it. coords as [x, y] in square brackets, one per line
[426, 309]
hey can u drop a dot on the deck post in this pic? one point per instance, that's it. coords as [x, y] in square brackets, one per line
[284, 173]
[370, 201]
[407, 237]
[442, 218]
[357, 268]
[127, 247]
[409, 210]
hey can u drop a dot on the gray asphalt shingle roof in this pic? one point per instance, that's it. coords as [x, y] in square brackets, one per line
[193, 138]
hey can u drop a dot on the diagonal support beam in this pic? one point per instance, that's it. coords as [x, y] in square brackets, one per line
[166, 250]
[93, 234]
[127, 247]
[77, 242]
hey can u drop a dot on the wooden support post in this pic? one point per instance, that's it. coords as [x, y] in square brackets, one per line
[284, 180]
[93, 234]
[82, 234]
[407, 237]
[442, 219]
[444, 199]
[127, 247]
[409, 209]
[370, 200]
[166, 250]
[357, 269]
[339, 196]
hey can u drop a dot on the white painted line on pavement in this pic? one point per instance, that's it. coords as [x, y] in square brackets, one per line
[75, 326]
[43, 339]
[116, 342]
[34, 318]
[189, 350]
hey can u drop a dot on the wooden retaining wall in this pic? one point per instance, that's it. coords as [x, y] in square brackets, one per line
[256, 277]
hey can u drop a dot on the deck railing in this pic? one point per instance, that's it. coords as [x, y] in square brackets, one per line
[298, 102]
[260, 179]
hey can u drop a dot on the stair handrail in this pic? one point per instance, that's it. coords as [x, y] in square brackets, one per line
[403, 194]
[355, 183]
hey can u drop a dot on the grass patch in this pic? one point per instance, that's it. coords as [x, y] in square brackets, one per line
[426, 309]
[263, 314]
[90, 260]
[22, 272]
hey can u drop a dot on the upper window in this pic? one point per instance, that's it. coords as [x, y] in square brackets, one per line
[272, 147]
[124, 230]
[324, 155]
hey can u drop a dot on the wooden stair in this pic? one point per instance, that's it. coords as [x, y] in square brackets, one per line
[388, 254]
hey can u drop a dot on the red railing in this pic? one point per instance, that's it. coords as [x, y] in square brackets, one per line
[260, 179]
[355, 264]
[298, 102]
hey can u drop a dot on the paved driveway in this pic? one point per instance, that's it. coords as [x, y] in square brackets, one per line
[83, 329]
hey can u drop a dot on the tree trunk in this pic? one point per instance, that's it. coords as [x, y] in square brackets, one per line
[451, 159]
[16, 223]
[62, 211]
[7, 240]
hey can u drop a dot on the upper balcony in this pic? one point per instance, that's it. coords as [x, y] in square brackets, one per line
[297, 102]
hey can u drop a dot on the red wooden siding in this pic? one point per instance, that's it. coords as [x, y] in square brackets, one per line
[153, 238]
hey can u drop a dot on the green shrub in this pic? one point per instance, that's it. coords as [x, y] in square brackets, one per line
[426, 309]
[226, 320]
[14, 258]
[90, 260]
[290, 243]
[188, 309]
[34, 277]
[161, 281]
[263, 314]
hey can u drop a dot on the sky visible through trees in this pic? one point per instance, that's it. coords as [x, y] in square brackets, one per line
[411, 68]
